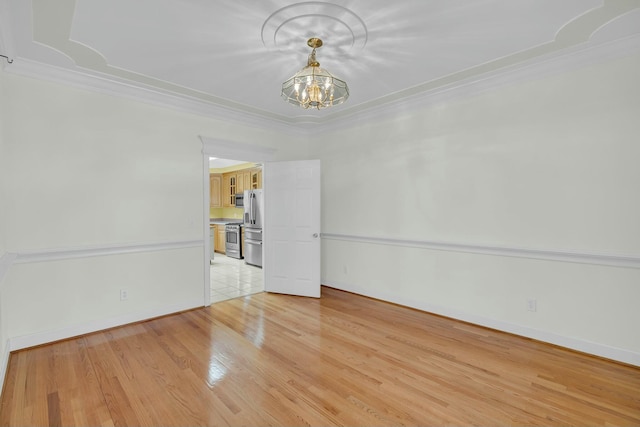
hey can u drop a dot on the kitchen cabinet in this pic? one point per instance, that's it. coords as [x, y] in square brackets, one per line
[236, 182]
[229, 184]
[220, 238]
[255, 178]
[212, 238]
[215, 190]
[226, 196]
[244, 180]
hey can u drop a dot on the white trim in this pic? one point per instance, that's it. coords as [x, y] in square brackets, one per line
[25, 341]
[6, 260]
[412, 99]
[613, 353]
[613, 260]
[111, 85]
[4, 363]
[206, 223]
[429, 93]
[231, 150]
[85, 252]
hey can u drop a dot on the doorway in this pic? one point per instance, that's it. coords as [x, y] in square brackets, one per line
[212, 147]
[231, 274]
[290, 252]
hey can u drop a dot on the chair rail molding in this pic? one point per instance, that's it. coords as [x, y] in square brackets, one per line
[614, 260]
[93, 251]
[6, 260]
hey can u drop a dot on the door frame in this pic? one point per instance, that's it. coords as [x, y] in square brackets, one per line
[223, 149]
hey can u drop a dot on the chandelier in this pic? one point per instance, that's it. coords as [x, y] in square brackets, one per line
[314, 87]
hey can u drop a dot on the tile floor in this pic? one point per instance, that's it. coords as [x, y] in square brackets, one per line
[232, 278]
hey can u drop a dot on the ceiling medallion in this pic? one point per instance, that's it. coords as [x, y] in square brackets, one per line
[314, 87]
[286, 25]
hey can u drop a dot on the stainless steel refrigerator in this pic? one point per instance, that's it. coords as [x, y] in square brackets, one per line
[253, 216]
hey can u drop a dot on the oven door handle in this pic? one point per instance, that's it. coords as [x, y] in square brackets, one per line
[252, 242]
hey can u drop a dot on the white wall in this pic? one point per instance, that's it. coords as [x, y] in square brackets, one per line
[89, 173]
[551, 165]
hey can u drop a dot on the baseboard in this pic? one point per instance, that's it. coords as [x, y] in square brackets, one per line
[6, 260]
[4, 366]
[596, 349]
[26, 341]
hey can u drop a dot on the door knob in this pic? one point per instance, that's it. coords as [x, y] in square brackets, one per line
[315, 235]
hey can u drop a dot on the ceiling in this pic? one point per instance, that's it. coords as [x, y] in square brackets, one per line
[233, 55]
[216, 163]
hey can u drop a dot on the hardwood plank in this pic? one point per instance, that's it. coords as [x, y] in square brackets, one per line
[342, 360]
[53, 406]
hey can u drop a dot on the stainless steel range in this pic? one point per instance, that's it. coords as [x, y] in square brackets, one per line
[233, 245]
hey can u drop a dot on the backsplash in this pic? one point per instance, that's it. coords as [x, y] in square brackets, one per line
[226, 213]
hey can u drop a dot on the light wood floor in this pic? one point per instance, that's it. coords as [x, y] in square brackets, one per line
[341, 360]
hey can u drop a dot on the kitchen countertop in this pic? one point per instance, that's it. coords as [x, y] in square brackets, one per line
[224, 221]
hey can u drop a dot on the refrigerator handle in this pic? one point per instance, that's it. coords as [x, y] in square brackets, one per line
[253, 209]
[247, 203]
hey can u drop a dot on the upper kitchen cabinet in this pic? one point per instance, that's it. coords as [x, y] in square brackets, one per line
[224, 186]
[229, 184]
[215, 190]
[255, 177]
[244, 180]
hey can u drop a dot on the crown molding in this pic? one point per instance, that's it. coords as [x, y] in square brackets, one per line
[149, 95]
[553, 63]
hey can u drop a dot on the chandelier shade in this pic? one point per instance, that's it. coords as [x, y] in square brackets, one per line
[314, 87]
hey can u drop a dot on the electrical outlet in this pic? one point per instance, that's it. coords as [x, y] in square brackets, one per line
[532, 304]
[124, 295]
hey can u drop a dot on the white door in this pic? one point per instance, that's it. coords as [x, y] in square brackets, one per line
[291, 238]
